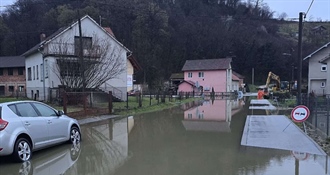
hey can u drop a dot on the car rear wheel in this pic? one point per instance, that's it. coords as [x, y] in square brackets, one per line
[75, 135]
[22, 150]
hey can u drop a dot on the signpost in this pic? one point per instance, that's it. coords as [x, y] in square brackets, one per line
[300, 113]
[240, 95]
[299, 155]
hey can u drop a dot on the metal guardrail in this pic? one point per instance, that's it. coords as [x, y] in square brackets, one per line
[319, 118]
[115, 91]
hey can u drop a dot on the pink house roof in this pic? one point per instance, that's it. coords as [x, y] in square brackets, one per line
[189, 82]
[207, 64]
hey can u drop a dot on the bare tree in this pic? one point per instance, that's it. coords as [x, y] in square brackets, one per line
[101, 58]
[282, 16]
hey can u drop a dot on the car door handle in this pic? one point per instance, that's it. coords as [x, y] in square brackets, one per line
[49, 122]
[27, 124]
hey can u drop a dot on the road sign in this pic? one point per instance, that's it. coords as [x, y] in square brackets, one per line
[240, 95]
[300, 113]
[299, 155]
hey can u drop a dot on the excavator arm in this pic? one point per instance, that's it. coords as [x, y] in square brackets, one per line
[271, 75]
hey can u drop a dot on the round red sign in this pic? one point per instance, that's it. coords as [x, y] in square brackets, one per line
[300, 113]
[300, 155]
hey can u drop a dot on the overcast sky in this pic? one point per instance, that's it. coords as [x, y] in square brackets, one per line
[319, 10]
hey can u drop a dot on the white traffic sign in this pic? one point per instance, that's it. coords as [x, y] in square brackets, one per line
[300, 113]
[299, 155]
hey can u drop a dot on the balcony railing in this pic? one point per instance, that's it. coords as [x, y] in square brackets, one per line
[72, 50]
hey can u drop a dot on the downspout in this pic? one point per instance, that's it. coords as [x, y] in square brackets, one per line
[229, 79]
[40, 50]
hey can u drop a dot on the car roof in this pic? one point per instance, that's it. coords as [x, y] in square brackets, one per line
[14, 102]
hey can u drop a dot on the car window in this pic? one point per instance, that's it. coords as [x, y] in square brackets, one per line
[13, 108]
[44, 110]
[0, 111]
[26, 110]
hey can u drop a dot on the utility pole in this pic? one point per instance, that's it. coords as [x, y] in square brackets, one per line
[81, 58]
[252, 76]
[301, 14]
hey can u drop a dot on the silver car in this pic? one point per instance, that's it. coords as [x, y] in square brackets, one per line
[27, 126]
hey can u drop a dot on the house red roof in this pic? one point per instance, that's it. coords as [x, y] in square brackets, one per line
[235, 78]
[108, 29]
[64, 29]
[134, 63]
[238, 75]
[207, 64]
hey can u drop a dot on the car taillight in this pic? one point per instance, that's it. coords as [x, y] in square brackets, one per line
[3, 124]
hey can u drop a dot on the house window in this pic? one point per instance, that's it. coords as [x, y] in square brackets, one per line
[189, 74]
[46, 68]
[69, 68]
[20, 71]
[323, 84]
[1, 71]
[2, 90]
[324, 68]
[10, 71]
[200, 74]
[189, 116]
[37, 72]
[29, 74]
[21, 88]
[11, 88]
[86, 44]
[42, 72]
[34, 75]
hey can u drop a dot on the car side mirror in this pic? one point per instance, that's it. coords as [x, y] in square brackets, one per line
[60, 113]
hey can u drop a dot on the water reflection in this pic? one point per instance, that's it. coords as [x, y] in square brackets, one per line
[211, 115]
[55, 160]
[286, 162]
[105, 146]
[160, 143]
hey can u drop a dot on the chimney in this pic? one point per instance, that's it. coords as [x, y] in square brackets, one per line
[42, 37]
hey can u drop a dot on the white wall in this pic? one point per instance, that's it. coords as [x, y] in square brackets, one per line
[130, 72]
[315, 75]
[36, 83]
[89, 29]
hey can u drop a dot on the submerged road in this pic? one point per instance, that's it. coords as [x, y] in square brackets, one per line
[276, 131]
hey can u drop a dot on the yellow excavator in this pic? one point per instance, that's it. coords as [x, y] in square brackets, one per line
[271, 75]
[280, 85]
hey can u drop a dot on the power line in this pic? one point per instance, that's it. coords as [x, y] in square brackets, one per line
[309, 8]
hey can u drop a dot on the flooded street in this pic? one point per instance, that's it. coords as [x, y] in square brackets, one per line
[196, 138]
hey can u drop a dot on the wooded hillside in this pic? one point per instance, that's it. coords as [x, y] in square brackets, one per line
[164, 33]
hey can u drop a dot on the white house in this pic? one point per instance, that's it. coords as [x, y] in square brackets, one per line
[42, 60]
[318, 73]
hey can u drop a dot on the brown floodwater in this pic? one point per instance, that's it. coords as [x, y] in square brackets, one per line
[196, 138]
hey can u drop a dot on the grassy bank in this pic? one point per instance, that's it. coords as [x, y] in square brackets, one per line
[148, 105]
[125, 108]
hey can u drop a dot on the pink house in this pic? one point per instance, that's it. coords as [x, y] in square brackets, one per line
[212, 115]
[237, 81]
[203, 75]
